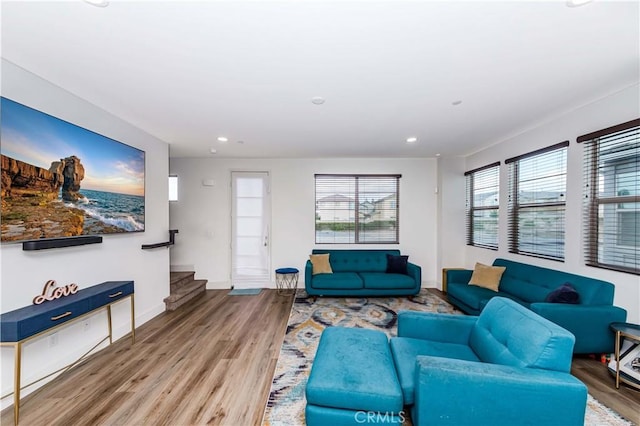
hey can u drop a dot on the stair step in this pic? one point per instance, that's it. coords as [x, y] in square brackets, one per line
[180, 279]
[184, 294]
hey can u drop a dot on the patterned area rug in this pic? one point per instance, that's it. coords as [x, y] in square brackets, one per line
[286, 403]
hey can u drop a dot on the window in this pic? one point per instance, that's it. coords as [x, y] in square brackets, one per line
[173, 188]
[612, 197]
[357, 209]
[483, 189]
[537, 188]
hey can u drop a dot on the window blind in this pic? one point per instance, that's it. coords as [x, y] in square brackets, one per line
[536, 205]
[612, 197]
[482, 204]
[357, 209]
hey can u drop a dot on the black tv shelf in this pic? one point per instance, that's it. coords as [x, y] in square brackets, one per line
[60, 242]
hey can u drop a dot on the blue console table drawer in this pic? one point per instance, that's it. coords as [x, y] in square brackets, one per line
[118, 291]
[48, 319]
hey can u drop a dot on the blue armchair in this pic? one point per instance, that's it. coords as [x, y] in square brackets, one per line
[506, 366]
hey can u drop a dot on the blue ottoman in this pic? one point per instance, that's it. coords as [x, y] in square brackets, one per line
[353, 380]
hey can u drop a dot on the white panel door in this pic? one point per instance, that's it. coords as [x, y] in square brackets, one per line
[251, 207]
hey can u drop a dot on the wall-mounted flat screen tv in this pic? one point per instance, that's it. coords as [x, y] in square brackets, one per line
[61, 180]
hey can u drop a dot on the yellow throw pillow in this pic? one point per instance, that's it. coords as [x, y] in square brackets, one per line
[320, 264]
[487, 276]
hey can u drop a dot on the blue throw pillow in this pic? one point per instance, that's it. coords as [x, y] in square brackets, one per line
[563, 294]
[397, 264]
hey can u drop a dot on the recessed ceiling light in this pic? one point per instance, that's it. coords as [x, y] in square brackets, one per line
[577, 3]
[222, 139]
[456, 103]
[317, 100]
[98, 3]
[213, 150]
[412, 139]
[437, 155]
[240, 142]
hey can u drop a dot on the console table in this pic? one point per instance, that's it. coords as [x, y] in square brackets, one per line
[30, 322]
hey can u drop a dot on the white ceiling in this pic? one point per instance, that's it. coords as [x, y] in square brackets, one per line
[188, 72]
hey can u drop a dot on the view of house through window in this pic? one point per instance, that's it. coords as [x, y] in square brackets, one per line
[612, 197]
[483, 190]
[537, 192]
[357, 209]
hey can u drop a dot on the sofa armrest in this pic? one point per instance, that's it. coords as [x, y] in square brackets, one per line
[588, 323]
[458, 275]
[457, 392]
[308, 274]
[415, 272]
[435, 326]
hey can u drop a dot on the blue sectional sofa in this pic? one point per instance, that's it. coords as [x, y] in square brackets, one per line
[529, 285]
[506, 366]
[361, 273]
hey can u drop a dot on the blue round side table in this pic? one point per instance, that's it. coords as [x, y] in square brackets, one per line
[286, 280]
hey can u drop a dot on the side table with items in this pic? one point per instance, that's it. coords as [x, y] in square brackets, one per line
[626, 367]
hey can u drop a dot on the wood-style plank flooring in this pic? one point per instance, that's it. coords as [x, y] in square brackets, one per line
[208, 363]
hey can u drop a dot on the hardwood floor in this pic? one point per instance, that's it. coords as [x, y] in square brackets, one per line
[208, 363]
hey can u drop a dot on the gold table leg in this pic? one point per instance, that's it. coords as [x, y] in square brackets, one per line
[617, 354]
[16, 383]
[109, 323]
[133, 322]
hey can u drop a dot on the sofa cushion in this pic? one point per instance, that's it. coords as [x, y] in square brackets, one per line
[405, 350]
[397, 264]
[507, 333]
[563, 294]
[473, 296]
[358, 260]
[337, 280]
[487, 276]
[320, 263]
[524, 288]
[384, 280]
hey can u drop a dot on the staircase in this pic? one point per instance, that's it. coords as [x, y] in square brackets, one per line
[183, 289]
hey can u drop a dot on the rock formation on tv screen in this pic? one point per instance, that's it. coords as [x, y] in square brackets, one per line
[73, 173]
[20, 179]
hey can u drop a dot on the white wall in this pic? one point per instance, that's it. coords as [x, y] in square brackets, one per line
[119, 257]
[615, 109]
[451, 213]
[202, 213]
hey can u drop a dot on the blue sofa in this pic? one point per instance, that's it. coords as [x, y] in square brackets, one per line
[506, 366]
[529, 285]
[361, 273]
